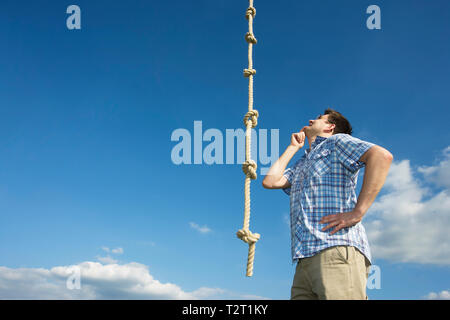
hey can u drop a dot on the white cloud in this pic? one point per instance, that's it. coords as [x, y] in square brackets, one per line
[408, 223]
[112, 281]
[440, 174]
[203, 229]
[443, 295]
[117, 250]
[107, 260]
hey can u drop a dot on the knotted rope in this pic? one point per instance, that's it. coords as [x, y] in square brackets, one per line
[249, 166]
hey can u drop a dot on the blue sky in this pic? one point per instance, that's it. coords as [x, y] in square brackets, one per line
[86, 118]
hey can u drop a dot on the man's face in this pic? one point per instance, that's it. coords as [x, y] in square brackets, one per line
[319, 125]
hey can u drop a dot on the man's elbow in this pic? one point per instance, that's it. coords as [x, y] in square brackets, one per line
[270, 182]
[266, 184]
[377, 154]
[387, 156]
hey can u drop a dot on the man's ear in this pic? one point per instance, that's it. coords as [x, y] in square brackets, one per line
[332, 126]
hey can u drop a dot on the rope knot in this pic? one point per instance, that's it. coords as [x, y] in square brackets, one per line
[250, 38]
[249, 72]
[251, 11]
[247, 236]
[252, 116]
[249, 167]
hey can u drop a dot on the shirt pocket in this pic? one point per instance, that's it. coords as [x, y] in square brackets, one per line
[321, 163]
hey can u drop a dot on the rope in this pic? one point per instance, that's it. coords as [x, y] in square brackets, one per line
[249, 166]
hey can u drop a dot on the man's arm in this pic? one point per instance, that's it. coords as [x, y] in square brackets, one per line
[274, 178]
[378, 161]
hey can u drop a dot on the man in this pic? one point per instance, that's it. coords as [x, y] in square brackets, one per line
[328, 240]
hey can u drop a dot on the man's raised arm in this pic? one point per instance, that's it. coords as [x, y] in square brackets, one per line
[274, 178]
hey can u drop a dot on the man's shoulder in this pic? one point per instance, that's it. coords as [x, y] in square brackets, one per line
[337, 138]
[343, 138]
[349, 144]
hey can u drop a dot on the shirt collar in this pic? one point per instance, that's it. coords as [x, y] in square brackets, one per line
[318, 140]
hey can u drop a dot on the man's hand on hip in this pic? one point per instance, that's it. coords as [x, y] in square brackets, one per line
[341, 220]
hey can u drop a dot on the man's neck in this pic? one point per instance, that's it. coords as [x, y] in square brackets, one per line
[313, 138]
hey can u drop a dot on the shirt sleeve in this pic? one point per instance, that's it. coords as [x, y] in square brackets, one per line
[349, 150]
[289, 175]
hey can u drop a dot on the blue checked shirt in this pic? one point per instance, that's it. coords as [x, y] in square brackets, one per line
[323, 182]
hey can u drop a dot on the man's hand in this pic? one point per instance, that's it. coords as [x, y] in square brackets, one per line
[298, 139]
[341, 220]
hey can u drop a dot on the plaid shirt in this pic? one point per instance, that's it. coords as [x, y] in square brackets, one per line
[323, 182]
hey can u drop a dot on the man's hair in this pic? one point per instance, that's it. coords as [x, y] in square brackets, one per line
[342, 124]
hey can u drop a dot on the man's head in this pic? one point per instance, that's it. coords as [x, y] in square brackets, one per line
[327, 124]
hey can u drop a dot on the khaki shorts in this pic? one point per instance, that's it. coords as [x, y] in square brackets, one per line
[335, 273]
